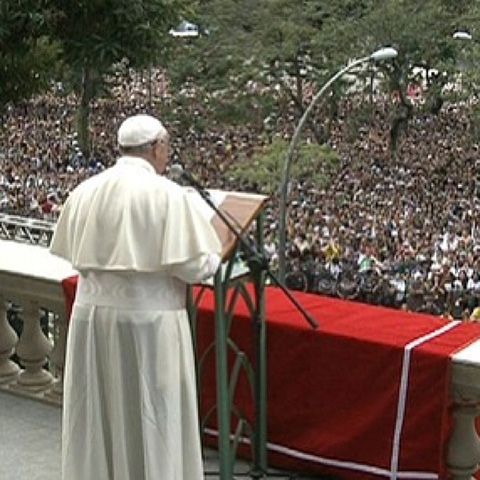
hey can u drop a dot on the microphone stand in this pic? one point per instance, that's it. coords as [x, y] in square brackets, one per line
[257, 261]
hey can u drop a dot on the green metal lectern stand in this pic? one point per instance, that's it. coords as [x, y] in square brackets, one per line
[230, 284]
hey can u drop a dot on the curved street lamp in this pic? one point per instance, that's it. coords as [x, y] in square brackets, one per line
[379, 55]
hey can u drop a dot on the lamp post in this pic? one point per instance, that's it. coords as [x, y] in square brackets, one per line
[379, 55]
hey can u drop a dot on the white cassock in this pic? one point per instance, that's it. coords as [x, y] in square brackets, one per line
[130, 401]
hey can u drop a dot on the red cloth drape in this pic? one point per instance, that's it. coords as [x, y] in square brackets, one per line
[333, 394]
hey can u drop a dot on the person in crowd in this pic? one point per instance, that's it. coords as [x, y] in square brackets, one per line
[296, 279]
[137, 239]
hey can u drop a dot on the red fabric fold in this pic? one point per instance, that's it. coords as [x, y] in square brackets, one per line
[69, 286]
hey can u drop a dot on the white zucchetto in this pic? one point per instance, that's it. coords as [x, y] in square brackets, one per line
[139, 130]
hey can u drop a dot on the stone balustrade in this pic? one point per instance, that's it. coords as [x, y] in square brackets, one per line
[30, 286]
[463, 456]
[31, 291]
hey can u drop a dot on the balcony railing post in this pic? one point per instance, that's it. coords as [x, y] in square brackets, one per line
[463, 455]
[57, 358]
[32, 349]
[8, 340]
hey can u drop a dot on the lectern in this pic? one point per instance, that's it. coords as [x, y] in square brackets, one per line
[243, 212]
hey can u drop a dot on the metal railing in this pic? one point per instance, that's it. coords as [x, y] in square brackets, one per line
[25, 229]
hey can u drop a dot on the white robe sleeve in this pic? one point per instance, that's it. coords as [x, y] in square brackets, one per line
[188, 231]
[197, 270]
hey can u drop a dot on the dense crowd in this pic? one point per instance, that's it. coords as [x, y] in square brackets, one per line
[398, 229]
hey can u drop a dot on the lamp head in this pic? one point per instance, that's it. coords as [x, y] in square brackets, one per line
[462, 36]
[384, 54]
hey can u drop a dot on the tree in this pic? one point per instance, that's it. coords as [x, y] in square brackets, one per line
[97, 35]
[422, 34]
[25, 51]
[291, 47]
[315, 163]
[271, 44]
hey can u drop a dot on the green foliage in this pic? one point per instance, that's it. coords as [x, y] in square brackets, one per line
[422, 34]
[281, 47]
[314, 162]
[97, 37]
[290, 45]
[99, 34]
[269, 43]
[26, 53]
[420, 31]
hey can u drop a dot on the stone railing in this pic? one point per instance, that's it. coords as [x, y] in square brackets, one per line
[32, 300]
[31, 296]
[463, 456]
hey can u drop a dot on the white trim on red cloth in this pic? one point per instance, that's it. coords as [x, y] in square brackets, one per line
[358, 467]
[393, 473]
[402, 397]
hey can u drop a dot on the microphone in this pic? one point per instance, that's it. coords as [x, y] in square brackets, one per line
[179, 173]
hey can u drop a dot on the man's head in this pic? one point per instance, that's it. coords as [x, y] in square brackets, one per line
[144, 136]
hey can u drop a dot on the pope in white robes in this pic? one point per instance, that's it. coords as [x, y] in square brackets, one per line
[137, 239]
